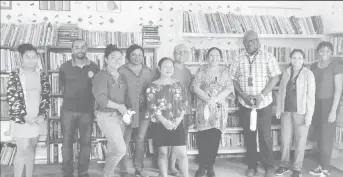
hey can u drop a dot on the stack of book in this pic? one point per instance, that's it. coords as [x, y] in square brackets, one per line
[67, 33]
[150, 36]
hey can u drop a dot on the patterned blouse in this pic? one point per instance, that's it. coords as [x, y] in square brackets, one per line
[16, 98]
[213, 84]
[170, 100]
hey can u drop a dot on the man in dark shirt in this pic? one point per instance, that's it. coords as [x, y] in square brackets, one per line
[75, 83]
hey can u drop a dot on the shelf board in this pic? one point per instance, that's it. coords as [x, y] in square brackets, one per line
[4, 118]
[53, 71]
[234, 129]
[39, 48]
[204, 63]
[56, 94]
[229, 109]
[99, 47]
[5, 72]
[262, 36]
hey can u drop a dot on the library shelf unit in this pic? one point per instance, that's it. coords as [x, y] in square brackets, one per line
[216, 25]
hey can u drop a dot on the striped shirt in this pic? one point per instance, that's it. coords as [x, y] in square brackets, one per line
[263, 68]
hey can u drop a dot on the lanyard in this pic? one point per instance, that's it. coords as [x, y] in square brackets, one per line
[293, 81]
[252, 62]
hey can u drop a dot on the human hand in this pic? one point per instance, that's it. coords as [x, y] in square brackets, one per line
[258, 99]
[332, 116]
[278, 115]
[248, 100]
[122, 109]
[308, 122]
[39, 119]
[177, 122]
[31, 120]
[168, 124]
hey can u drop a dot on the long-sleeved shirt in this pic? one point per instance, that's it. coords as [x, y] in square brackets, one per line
[106, 88]
[137, 85]
[306, 92]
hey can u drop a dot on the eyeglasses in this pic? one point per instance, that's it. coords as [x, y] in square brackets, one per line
[250, 41]
[179, 52]
[324, 51]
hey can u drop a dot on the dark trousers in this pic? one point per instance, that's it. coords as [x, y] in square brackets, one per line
[324, 131]
[139, 145]
[70, 122]
[264, 121]
[208, 144]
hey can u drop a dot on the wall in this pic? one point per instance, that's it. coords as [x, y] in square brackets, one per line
[168, 15]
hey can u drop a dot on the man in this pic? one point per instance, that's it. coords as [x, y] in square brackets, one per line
[138, 77]
[181, 55]
[75, 79]
[255, 73]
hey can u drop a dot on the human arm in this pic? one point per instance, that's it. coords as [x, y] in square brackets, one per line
[279, 95]
[61, 79]
[228, 88]
[197, 81]
[311, 98]
[338, 80]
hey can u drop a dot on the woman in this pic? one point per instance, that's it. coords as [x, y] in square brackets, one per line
[295, 106]
[213, 87]
[167, 103]
[28, 92]
[109, 89]
[328, 74]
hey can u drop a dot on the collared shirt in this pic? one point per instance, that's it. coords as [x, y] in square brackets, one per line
[76, 85]
[137, 85]
[263, 68]
[184, 75]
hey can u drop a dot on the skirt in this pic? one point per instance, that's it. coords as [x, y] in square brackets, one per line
[163, 137]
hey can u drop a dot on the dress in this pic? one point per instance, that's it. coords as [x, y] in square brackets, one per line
[171, 100]
[32, 93]
[213, 84]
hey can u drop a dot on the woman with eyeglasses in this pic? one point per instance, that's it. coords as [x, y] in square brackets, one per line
[28, 96]
[213, 88]
[328, 73]
[295, 106]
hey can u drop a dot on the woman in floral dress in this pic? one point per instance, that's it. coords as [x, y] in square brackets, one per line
[167, 102]
[213, 87]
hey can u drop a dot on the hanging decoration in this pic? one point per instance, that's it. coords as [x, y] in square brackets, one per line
[46, 18]
[111, 20]
[8, 17]
[80, 19]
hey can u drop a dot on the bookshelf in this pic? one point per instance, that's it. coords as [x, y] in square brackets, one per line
[49, 148]
[199, 26]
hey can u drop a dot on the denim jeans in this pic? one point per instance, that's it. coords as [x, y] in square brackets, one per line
[293, 125]
[70, 122]
[139, 146]
[112, 126]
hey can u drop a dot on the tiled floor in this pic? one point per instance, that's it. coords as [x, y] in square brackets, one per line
[225, 167]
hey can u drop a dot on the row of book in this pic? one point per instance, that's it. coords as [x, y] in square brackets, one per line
[47, 34]
[237, 24]
[232, 121]
[54, 5]
[150, 35]
[11, 60]
[8, 152]
[337, 43]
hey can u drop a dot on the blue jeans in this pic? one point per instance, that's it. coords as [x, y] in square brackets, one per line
[112, 126]
[70, 122]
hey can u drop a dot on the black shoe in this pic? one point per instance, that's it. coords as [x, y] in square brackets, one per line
[200, 172]
[269, 172]
[210, 172]
[281, 171]
[251, 172]
[296, 173]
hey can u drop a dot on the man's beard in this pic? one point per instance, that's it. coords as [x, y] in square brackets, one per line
[80, 58]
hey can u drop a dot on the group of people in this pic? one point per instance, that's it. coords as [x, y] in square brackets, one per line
[162, 100]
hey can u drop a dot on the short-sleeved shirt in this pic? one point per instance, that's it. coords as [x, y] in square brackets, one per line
[76, 86]
[210, 84]
[184, 75]
[325, 78]
[106, 88]
[263, 68]
[170, 99]
[137, 85]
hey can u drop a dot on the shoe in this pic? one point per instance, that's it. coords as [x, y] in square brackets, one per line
[124, 174]
[296, 173]
[317, 171]
[251, 172]
[269, 172]
[141, 174]
[200, 172]
[281, 171]
[210, 171]
[326, 172]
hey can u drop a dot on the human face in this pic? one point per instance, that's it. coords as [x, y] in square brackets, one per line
[167, 68]
[297, 60]
[30, 59]
[324, 53]
[79, 49]
[251, 43]
[136, 57]
[214, 57]
[114, 60]
[181, 55]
